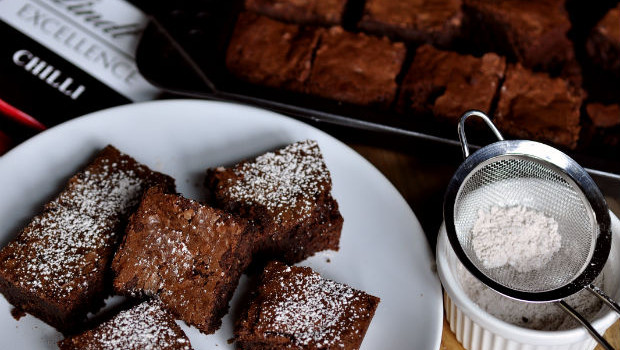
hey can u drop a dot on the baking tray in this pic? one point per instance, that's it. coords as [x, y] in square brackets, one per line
[182, 51]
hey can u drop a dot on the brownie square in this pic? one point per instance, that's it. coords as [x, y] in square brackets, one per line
[267, 52]
[531, 31]
[189, 255]
[295, 308]
[603, 44]
[535, 106]
[604, 116]
[356, 68]
[438, 23]
[321, 12]
[286, 193]
[57, 267]
[144, 326]
[605, 128]
[445, 84]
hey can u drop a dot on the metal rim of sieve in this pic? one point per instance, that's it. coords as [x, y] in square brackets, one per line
[559, 163]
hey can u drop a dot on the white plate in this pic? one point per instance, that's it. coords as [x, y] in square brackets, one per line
[383, 248]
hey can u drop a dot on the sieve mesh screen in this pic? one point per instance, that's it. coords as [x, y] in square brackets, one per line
[512, 180]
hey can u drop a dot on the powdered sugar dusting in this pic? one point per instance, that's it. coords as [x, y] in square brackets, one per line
[523, 238]
[288, 178]
[310, 309]
[145, 326]
[59, 251]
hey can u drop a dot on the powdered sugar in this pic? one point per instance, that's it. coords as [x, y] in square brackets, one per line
[61, 250]
[288, 179]
[523, 238]
[311, 309]
[145, 326]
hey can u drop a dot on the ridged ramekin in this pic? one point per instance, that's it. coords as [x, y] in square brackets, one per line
[478, 330]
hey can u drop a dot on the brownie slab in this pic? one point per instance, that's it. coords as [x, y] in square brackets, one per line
[531, 31]
[356, 68]
[438, 23]
[267, 52]
[295, 308]
[535, 106]
[189, 255]
[144, 326]
[57, 267]
[321, 12]
[603, 44]
[286, 193]
[444, 84]
[605, 129]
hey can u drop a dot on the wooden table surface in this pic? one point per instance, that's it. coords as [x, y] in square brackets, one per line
[421, 177]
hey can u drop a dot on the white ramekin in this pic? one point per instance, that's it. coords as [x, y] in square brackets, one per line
[478, 330]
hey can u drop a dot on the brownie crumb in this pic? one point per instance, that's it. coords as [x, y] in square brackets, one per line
[17, 313]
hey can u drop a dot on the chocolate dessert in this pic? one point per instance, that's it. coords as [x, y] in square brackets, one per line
[145, 326]
[603, 45]
[57, 267]
[320, 12]
[420, 21]
[189, 255]
[606, 125]
[356, 68]
[286, 193]
[267, 52]
[443, 84]
[532, 32]
[535, 106]
[295, 308]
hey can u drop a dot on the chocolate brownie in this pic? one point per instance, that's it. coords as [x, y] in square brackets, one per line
[535, 106]
[189, 255]
[438, 22]
[445, 84]
[604, 116]
[267, 52]
[295, 308]
[531, 31]
[286, 193]
[605, 130]
[57, 267]
[144, 326]
[356, 68]
[603, 45]
[322, 12]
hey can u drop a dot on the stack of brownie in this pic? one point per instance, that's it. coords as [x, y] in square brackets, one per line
[179, 258]
[431, 61]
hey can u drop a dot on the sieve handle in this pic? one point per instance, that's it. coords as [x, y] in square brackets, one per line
[604, 297]
[577, 316]
[461, 129]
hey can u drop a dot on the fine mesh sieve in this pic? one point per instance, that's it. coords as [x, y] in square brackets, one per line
[539, 177]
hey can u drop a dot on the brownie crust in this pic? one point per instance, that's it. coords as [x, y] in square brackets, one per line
[418, 21]
[443, 84]
[271, 53]
[189, 255]
[356, 68]
[318, 12]
[603, 44]
[57, 267]
[535, 106]
[295, 308]
[533, 32]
